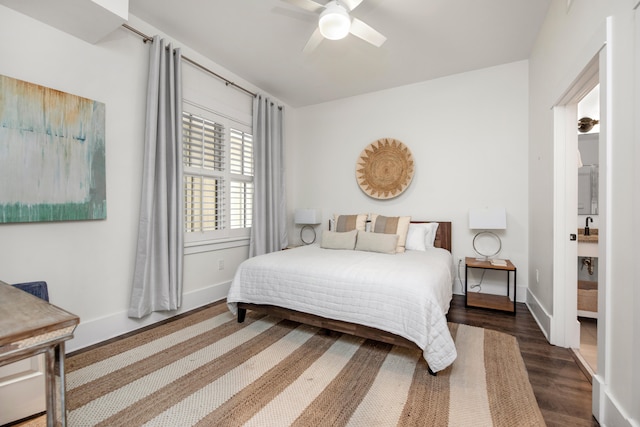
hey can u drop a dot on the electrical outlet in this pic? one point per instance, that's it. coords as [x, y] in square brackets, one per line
[220, 264]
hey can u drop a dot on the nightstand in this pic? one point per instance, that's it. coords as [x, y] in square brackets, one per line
[494, 302]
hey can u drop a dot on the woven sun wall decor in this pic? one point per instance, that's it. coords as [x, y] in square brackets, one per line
[385, 168]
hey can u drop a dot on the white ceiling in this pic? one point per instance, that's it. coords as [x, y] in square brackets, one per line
[262, 41]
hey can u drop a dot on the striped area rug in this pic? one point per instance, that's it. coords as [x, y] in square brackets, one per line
[205, 369]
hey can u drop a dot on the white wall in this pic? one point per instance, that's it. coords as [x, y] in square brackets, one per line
[468, 137]
[567, 36]
[89, 265]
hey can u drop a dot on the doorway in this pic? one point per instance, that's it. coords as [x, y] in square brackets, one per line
[588, 130]
[565, 327]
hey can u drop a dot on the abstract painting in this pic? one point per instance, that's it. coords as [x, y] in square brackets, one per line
[52, 155]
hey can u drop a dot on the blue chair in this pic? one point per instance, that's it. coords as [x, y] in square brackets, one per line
[38, 289]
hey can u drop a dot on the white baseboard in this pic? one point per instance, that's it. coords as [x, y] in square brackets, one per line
[113, 325]
[589, 314]
[607, 409]
[596, 387]
[542, 318]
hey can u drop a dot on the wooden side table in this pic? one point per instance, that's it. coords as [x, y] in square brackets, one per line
[494, 302]
[30, 326]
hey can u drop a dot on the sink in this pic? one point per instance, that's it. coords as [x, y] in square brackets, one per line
[588, 245]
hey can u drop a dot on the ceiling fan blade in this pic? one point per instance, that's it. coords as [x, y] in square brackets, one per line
[366, 33]
[314, 41]
[309, 5]
[351, 4]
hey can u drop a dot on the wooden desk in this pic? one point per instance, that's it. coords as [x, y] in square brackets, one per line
[30, 326]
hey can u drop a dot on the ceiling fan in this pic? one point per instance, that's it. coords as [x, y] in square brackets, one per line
[335, 23]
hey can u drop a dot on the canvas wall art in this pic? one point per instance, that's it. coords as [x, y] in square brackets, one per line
[52, 155]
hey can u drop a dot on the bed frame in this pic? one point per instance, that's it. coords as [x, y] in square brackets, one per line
[442, 240]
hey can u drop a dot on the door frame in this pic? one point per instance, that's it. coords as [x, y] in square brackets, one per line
[565, 330]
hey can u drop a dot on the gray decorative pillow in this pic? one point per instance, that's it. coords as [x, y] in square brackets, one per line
[339, 240]
[349, 222]
[377, 242]
[392, 225]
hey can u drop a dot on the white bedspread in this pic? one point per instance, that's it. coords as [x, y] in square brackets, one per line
[407, 294]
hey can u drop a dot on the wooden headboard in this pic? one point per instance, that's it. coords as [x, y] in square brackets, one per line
[443, 234]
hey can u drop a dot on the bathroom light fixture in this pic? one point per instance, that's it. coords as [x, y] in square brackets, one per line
[585, 124]
[307, 218]
[487, 243]
[334, 22]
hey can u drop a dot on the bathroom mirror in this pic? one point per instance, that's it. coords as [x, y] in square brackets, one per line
[588, 174]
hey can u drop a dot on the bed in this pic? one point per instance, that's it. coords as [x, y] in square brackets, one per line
[400, 299]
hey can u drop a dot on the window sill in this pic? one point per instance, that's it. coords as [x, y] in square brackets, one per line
[215, 245]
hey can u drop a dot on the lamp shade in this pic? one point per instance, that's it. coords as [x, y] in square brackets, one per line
[488, 219]
[308, 216]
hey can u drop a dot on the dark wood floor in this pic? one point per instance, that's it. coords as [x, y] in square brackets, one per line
[561, 388]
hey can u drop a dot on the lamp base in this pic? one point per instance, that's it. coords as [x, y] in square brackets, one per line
[314, 234]
[483, 247]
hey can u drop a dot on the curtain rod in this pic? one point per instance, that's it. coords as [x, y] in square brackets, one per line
[146, 38]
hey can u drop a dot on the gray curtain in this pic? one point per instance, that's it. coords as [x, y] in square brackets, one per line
[269, 223]
[157, 280]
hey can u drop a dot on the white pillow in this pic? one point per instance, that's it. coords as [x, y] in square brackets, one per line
[430, 238]
[377, 242]
[337, 240]
[416, 238]
[421, 236]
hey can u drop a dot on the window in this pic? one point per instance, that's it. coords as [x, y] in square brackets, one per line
[241, 156]
[218, 176]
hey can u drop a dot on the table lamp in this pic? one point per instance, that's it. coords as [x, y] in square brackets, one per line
[308, 218]
[487, 243]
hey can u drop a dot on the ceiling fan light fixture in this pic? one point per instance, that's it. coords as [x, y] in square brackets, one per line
[334, 22]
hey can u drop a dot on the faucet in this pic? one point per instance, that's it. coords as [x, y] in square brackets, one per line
[586, 226]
